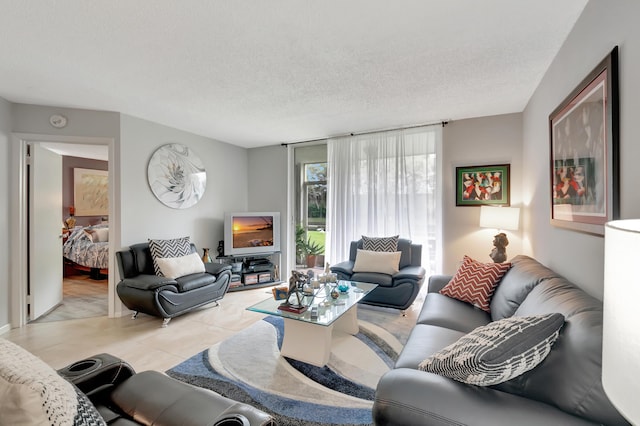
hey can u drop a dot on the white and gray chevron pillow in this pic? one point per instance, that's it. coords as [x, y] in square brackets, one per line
[176, 247]
[380, 243]
[498, 351]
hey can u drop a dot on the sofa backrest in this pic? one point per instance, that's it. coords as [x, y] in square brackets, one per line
[411, 253]
[524, 274]
[570, 376]
[137, 260]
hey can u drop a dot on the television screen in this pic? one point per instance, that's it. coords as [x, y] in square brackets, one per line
[252, 231]
[248, 233]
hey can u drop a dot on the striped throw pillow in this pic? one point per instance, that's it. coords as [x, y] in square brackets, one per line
[498, 351]
[380, 243]
[475, 282]
[161, 249]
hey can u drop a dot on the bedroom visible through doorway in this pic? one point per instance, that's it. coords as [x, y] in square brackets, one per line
[84, 232]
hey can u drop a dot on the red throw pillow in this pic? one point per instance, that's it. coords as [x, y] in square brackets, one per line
[475, 282]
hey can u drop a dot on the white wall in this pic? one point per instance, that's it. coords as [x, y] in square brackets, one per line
[602, 25]
[5, 137]
[478, 141]
[144, 217]
[267, 190]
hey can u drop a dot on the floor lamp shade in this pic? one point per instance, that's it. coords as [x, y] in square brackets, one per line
[621, 328]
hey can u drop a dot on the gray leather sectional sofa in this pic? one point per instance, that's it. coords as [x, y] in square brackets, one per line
[124, 397]
[565, 389]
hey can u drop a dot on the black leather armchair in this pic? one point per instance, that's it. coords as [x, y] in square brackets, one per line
[141, 290]
[393, 291]
[124, 397]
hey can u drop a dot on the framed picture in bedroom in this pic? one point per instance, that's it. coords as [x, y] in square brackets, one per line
[584, 133]
[483, 185]
[90, 192]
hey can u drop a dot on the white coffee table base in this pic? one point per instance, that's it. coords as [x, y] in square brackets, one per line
[311, 343]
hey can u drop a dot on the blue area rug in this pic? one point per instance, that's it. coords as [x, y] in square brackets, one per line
[247, 367]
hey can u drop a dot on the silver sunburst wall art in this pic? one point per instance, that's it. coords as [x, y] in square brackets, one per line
[176, 176]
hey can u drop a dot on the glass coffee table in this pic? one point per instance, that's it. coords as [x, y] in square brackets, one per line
[307, 336]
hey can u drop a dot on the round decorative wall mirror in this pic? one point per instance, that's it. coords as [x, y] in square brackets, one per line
[176, 176]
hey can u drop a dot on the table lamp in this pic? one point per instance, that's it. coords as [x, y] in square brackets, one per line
[507, 218]
[621, 335]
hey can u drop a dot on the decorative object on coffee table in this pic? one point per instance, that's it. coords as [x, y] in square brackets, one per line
[296, 285]
[335, 293]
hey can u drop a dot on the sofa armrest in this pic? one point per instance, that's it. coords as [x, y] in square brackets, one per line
[345, 268]
[97, 373]
[437, 282]
[159, 399]
[410, 272]
[147, 282]
[409, 397]
[216, 268]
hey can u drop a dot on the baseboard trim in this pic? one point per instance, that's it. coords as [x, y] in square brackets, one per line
[5, 328]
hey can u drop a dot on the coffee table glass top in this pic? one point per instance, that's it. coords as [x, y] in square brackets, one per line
[327, 308]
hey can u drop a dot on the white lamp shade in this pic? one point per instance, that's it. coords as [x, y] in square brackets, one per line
[500, 217]
[621, 333]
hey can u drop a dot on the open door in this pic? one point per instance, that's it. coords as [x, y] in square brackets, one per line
[45, 226]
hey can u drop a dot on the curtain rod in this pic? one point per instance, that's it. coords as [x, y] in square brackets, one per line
[442, 123]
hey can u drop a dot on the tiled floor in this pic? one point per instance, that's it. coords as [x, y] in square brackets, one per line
[142, 342]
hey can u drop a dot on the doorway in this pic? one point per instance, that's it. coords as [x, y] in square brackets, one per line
[20, 258]
[84, 255]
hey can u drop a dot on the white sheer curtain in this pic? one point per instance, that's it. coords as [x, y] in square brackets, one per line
[383, 184]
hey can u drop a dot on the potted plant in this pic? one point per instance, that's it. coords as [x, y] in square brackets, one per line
[313, 250]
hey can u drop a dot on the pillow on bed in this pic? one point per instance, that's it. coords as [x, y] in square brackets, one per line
[99, 235]
[175, 267]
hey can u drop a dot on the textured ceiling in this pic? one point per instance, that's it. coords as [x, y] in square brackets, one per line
[255, 73]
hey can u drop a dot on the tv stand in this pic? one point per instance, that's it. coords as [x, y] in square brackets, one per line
[253, 271]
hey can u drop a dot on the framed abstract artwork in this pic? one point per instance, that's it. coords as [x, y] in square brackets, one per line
[176, 176]
[483, 185]
[90, 192]
[584, 133]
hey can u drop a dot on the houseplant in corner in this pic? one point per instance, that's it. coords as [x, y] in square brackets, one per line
[313, 250]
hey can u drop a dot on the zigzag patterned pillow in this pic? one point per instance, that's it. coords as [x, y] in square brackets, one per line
[475, 282]
[380, 243]
[176, 247]
[498, 351]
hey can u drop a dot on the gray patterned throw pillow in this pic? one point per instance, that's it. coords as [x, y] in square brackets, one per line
[380, 243]
[498, 351]
[34, 393]
[176, 247]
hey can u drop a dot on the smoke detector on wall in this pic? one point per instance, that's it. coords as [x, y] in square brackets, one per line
[58, 121]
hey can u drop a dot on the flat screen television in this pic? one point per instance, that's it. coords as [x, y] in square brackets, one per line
[249, 233]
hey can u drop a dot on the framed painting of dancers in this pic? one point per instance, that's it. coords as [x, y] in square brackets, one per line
[584, 135]
[483, 185]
